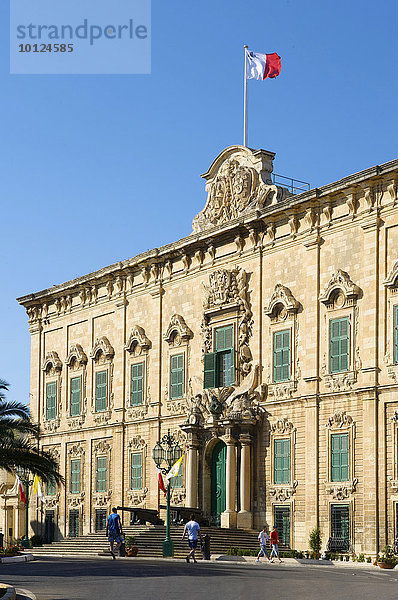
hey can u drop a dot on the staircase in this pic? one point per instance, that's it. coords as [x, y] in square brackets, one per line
[149, 540]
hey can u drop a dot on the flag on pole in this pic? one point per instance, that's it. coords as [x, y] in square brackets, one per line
[161, 482]
[174, 469]
[261, 66]
[18, 489]
[37, 489]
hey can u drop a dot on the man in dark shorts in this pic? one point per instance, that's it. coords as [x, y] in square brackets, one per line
[192, 529]
[114, 532]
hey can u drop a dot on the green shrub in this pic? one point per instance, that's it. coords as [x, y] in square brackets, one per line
[315, 542]
[361, 558]
[368, 559]
[36, 540]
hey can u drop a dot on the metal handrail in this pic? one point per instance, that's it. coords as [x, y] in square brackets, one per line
[294, 184]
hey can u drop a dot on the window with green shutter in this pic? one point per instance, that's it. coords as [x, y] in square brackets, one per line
[51, 487]
[137, 384]
[396, 335]
[176, 376]
[282, 461]
[75, 396]
[339, 345]
[101, 389]
[219, 366]
[101, 473]
[281, 348]
[339, 457]
[51, 401]
[75, 476]
[136, 470]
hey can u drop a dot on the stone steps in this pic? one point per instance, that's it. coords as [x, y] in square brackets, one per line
[149, 540]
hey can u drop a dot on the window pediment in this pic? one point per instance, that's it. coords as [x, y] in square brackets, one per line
[282, 303]
[391, 280]
[102, 346]
[137, 337]
[177, 329]
[340, 282]
[77, 354]
[52, 361]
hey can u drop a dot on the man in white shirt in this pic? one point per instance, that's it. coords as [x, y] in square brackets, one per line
[263, 538]
[192, 529]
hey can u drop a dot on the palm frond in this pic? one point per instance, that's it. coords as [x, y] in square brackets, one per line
[21, 453]
[10, 427]
[14, 408]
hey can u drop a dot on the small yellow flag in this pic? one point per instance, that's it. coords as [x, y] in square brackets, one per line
[36, 484]
[174, 469]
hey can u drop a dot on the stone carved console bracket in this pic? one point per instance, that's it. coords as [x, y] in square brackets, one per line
[283, 493]
[341, 491]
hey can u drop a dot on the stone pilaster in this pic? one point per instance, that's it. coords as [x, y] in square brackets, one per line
[244, 516]
[228, 517]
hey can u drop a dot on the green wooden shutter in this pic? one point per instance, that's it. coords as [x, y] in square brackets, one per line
[209, 379]
[75, 476]
[101, 391]
[225, 361]
[224, 339]
[51, 487]
[51, 401]
[136, 470]
[281, 348]
[75, 396]
[137, 384]
[176, 376]
[339, 457]
[101, 474]
[339, 345]
[396, 335]
[281, 461]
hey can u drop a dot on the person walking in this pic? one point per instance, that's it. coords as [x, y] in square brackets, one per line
[114, 532]
[263, 538]
[192, 529]
[274, 545]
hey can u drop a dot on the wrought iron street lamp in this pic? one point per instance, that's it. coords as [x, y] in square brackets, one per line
[165, 454]
[23, 473]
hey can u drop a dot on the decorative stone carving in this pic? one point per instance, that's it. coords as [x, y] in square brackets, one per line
[52, 363]
[391, 280]
[242, 404]
[102, 498]
[76, 450]
[394, 418]
[137, 496]
[281, 494]
[178, 496]
[53, 501]
[137, 443]
[281, 391]
[393, 484]
[102, 345]
[76, 422]
[76, 354]
[340, 382]
[340, 419]
[239, 180]
[282, 303]
[101, 447]
[134, 413]
[341, 491]
[282, 426]
[137, 338]
[51, 426]
[177, 327]
[101, 418]
[75, 500]
[340, 281]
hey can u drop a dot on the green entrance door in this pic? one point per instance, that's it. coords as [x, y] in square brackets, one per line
[218, 467]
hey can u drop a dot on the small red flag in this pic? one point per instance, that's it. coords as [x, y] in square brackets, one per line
[161, 482]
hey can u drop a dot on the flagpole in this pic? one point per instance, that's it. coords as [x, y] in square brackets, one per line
[245, 100]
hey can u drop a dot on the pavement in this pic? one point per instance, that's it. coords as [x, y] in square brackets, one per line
[170, 579]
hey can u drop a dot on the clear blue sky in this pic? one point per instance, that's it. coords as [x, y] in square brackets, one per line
[95, 169]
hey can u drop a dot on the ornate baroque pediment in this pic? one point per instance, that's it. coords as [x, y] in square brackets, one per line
[177, 331]
[239, 180]
[392, 278]
[284, 298]
[103, 345]
[76, 353]
[138, 338]
[52, 361]
[340, 281]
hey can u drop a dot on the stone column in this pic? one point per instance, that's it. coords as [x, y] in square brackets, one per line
[228, 517]
[244, 517]
[192, 476]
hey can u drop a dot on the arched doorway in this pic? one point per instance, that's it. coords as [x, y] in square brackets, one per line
[218, 469]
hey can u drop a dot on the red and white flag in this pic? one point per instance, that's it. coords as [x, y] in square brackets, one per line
[261, 66]
[161, 482]
[18, 489]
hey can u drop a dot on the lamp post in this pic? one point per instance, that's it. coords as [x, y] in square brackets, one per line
[23, 474]
[165, 454]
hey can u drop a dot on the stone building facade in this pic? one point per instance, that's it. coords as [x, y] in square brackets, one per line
[266, 341]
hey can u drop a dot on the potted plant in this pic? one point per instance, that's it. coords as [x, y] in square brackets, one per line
[131, 548]
[315, 542]
[387, 560]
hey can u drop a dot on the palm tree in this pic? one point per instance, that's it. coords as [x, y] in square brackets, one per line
[17, 448]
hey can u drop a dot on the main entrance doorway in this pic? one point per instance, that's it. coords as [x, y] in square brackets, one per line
[49, 526]
[218, 468]
[73, 523]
